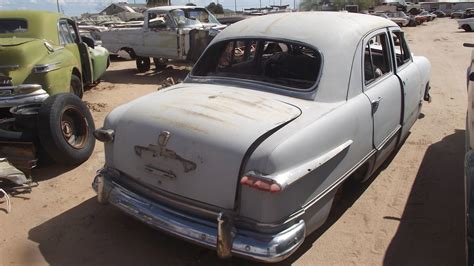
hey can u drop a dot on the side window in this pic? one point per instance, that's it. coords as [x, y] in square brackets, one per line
[65, 36]
[376, 58]
[158, 20]
[402, 54]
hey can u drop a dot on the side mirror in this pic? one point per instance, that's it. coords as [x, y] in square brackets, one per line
[88, 41]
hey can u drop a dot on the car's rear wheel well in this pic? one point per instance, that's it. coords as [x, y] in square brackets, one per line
[466, 27]
[130, 52]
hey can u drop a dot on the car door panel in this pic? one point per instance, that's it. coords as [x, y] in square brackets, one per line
[382, 87]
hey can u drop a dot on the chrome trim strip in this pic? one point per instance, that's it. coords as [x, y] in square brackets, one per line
[338, 181]
[9, 67]
[245, 243]
[44, 68]
[388, 138]
[288, 177]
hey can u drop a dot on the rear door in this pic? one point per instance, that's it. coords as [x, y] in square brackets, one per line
[382, 87]
[409, 78]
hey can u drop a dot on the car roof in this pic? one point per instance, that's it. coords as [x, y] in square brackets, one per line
[335, 35]
[41, 24]
[323, 30]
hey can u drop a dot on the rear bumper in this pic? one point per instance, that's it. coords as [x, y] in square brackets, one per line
[253, 245]
[21, 94]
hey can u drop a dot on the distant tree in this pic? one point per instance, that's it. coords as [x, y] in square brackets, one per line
[151, 3]
[215, 8]
[307, 5]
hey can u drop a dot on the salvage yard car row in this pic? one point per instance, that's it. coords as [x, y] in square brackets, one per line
[306, 112]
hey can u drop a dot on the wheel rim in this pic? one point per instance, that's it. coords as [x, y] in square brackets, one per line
[74, 127]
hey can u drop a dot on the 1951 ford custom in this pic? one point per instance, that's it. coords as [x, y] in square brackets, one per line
[247, 154]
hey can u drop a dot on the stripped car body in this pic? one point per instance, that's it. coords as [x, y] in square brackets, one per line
[273, 118]
[178, 33]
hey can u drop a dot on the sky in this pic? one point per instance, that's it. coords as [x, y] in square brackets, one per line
[77, 7]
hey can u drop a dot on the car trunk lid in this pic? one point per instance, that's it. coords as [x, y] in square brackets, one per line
[191, 140]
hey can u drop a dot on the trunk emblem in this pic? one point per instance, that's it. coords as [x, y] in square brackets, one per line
[162, 151]
[163, 138]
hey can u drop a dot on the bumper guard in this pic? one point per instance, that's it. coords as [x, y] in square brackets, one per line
[220, 235]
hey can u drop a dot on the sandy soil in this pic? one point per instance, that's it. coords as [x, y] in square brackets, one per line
[410, 213]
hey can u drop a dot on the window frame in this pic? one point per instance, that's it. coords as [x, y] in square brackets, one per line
[388, 55]
[285, 88]
[404, 46]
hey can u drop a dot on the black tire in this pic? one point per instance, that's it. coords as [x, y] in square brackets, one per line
[466, 28]
[143, 64]
[76, 86]
[160, 63]
[65, 128]
[26, 115]
[9, 134]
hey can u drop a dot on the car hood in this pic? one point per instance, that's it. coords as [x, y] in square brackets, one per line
[191, 140]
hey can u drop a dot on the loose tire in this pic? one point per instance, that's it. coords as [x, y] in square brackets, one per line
[160, 63]
[65, 127]
[143, 64]
[76, 86]
[9, 133]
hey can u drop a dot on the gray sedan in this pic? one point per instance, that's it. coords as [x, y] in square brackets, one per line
[246, 155]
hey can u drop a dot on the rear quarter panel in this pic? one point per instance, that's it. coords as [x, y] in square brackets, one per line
[302, 140]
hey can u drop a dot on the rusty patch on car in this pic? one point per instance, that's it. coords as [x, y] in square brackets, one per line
[161, 150]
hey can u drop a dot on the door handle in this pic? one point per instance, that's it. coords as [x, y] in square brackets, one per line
[375, 104]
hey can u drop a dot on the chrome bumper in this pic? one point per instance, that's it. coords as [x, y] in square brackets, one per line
[253, 245]
[21, 94]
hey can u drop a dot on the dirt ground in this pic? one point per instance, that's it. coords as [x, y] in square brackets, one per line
[411, 213]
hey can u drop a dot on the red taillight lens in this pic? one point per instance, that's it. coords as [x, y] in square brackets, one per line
[260, 183]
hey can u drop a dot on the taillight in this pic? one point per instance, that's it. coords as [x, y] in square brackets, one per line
[260, 183]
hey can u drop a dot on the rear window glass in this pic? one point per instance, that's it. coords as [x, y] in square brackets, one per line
[287, 64]
[13, 25]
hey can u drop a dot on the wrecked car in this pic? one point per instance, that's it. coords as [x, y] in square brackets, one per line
[247, 154]
[42, 54]
[44, 67]
[177, 33]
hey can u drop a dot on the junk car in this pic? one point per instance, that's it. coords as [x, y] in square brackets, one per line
[247, 154]
[44, 65]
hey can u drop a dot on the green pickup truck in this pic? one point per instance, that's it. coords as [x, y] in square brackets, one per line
[44, 67]
[41, 54]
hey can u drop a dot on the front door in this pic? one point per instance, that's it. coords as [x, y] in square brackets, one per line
[382, 87]
[160, 37]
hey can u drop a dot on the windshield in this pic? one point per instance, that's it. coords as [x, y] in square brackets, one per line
[195, 16]
[291, 65]
[13, 25]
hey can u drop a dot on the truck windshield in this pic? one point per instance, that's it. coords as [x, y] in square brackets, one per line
[13, 25]
[194, 16]
[290, 65]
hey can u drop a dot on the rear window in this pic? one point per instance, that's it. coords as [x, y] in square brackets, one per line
[291, 65]
[13, 25]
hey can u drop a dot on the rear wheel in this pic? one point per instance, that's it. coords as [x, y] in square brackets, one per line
[76, 86]
[143, 64]
[65, 127]
[466, 28]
